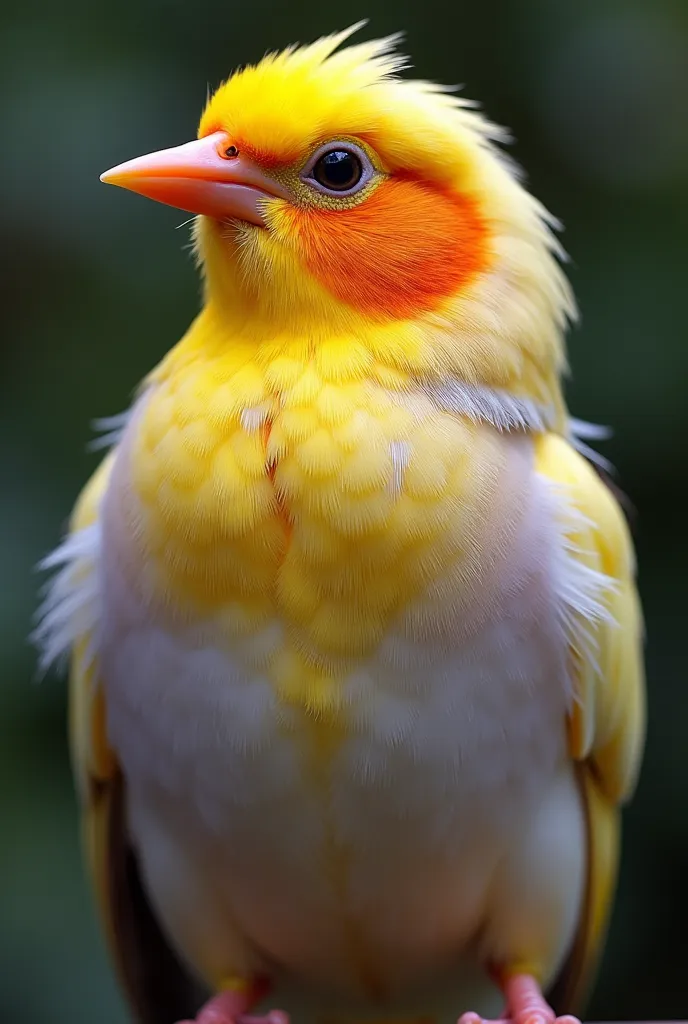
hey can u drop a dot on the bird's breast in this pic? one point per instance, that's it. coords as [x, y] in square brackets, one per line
[330, 510]
[333, 668]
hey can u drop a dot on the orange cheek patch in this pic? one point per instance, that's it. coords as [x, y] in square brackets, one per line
[399, 253]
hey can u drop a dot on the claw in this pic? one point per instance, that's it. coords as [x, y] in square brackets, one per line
[230, 1008]
[526, 1005]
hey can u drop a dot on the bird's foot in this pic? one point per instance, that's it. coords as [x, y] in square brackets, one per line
[231, 1008]
[525, 1005]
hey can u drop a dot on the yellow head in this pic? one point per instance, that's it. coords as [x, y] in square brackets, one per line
[338, 200]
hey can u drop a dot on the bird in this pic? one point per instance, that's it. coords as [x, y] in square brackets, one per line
[352, 619]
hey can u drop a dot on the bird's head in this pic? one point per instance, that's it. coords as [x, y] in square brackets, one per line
[335, 198]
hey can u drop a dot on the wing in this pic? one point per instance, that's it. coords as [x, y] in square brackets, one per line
[158, 988]
[607, 720]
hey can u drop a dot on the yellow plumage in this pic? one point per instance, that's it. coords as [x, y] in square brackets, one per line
[363, 515]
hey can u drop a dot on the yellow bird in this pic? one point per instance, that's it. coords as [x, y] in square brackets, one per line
[357, 673]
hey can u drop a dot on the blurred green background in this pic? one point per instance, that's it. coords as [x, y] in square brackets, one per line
[97, 284]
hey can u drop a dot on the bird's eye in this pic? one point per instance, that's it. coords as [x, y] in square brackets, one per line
[230, 152]
[338, 168]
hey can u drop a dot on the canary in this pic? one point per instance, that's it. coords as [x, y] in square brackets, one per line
[357, 686]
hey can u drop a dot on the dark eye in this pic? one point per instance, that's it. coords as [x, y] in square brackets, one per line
[338, 170]
[339, 167]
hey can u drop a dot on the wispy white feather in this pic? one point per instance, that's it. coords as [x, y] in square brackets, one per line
[400, 453]
[582, 591]
[580, 431]
[109, 429]
[490, 405]
[70, 608]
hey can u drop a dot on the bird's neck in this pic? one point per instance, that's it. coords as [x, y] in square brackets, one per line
[467, 376]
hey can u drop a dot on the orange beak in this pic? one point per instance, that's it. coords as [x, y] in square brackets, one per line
[198, 177]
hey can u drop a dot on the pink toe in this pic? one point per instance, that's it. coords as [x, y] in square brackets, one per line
[214, 1015]
[273, 1017]
[475, 1018]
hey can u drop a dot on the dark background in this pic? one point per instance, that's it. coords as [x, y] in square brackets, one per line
[97, 284]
